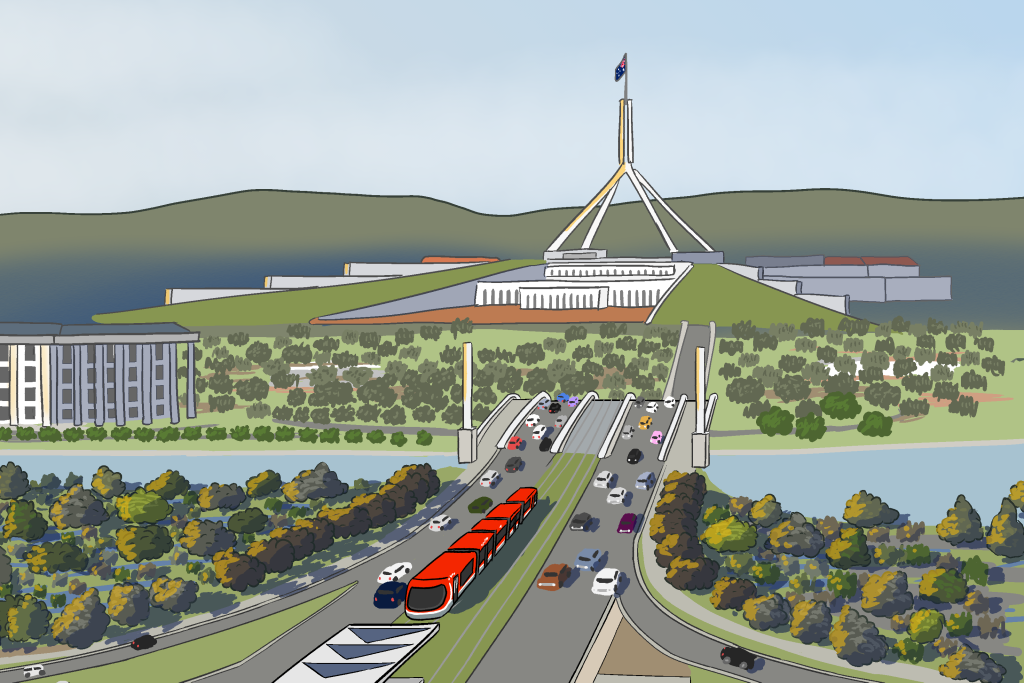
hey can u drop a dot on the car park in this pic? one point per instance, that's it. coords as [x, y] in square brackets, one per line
[515, 443]
[395, 572]
[737, 656]
[628, 431]
[616, 496]
[607, 582]
[627, 523]
[634, 456]
[513, 464]
[440, 523]
[540, 431]
[652, 407]
[580, 522]
[490, 478]
[646, 422]
[553, 576]
[545, 445]
[573, 401]
[390, 594]
[645, 482]
[532, 421]
[656, 437]
[562, 398]
[670, 402]
[559, 421]
[604, 479]
[587, 559]
[543, 403]
[555, 407]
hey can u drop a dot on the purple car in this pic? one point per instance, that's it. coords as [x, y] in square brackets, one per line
[574, 401]
[627, 523]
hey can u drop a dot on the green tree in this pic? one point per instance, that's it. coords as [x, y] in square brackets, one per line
[143, 543]
[775, 421]
[843, 584]
[730, 535]
[56, 556]
[849, 550]
[875, 424]
[22, 521]
[976, 570]
[909, 651]
[248, 521]
[28, 619]
[765, 573]
[943, 585]
[810, 427]
[926, 625]
[142, 507]
[960, 624]
[840, 406]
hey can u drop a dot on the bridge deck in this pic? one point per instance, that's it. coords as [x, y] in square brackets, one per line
[591, 430]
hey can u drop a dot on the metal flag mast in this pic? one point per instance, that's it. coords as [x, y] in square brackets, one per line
[640, 184]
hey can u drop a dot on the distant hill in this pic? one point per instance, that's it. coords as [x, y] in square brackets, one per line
[107, 262]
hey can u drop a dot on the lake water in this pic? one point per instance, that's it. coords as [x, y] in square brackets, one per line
[223, 469]
[922, 482]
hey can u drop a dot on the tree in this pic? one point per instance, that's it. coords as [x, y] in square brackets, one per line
[765, 573]
[810, 621]
[169, 485]
[677, 545]
[730, 535]
[792, 388]
[128, 604]
[926, 625]
[13, 481]
[731, 593]
[258, 352]
[221, 497]
[143, 543]
[530, 354]
[173, 595]
[277, 555]
[886, 594]
[77, 507]
[1006, 535]
[969, 665]
[319, 482]
[671, 522]
[909, 651]
[849, 550]
[537, 380]
[810, 427]
[775, 421]
[265, 483]
[766, 612]
[249, 521]
[882, 395]
[855, 638]
[22, 521]
[765, 512]
[1017, 494]
[975, 569]
[300, 538]
[943, 585]
[83, 622]
[960, 624]
[206, 538]
[238, 571]
[142, 507]
[28, 619]
[691, 575]
[796, 537]
[865, 510]
[55, 557]
[843, 584]
[840, 406]
[963, 525]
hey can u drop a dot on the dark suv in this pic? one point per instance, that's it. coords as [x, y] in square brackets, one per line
[737, 656]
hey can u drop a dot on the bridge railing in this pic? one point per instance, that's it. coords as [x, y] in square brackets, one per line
[517, 422]
[556, 447]
[613, 433]
[673, 428]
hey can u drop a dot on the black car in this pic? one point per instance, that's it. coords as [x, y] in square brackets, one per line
[390, 594]
[545, 445]
[634, 456]
[513, 464]
[580, 522]
[143, 642]
[737, 656]
[555, 407]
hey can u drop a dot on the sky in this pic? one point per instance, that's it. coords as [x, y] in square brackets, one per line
[503, 108]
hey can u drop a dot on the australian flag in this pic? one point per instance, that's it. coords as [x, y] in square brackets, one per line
[620, 70]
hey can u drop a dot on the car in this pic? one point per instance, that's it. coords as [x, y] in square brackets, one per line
[513, 464]
[573, 401]
[532, 421]
[33, 671]
[634, 456]
[737, 656]
[645, 482]
[394, 572]
[652, 407]
[616, 496]
[646, 422]
[555, 407]
[540, 431]
[543, 404]
[143, 642]
[580, 522]
[390, 594]
[656, 437]
[440, 523]
[627, 523]
[553, 576]
[638, 402]
[628, 431]
[559, 421]
[562, 398]
[604, 479]
[515, 443]
[545, 445]
[587, 559]
[670, 402]
[607, 582]
[490, 478]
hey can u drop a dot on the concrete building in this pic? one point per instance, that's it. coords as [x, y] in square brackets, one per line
[53, 374]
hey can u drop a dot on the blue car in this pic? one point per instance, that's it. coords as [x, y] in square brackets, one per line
[390, 594]
[588, 559]
[562, 398]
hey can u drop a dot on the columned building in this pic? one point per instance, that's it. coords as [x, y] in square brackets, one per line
[54, 374]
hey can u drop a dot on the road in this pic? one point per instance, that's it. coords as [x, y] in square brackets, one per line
[696, 335]
[589, 432]
[570, 615]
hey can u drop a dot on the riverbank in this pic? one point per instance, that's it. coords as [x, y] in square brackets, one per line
[190, 453]
[874, 447]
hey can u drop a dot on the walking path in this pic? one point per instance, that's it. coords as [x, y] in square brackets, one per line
[874, 447]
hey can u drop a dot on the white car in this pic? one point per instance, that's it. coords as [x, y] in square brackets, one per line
[395, 572]
[440, 522]
[670, 402]
[652, 407]
[607, 582]
[616, 496]
[540, 432]
[532, 421]
[490, 478]
[604, 479]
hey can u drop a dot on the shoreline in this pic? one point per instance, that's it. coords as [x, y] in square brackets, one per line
[872, 447]
[9, 452]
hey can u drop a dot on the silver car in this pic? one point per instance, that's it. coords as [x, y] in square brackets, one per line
[627, 431]
[645, 481]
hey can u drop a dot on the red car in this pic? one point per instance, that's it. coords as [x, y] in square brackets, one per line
[627, 523]
[515, 443]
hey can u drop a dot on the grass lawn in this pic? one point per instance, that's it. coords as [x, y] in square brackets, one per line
[996, 419]
[470, 632]
[188, 660]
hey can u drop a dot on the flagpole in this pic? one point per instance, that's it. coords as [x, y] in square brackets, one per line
[625, 92]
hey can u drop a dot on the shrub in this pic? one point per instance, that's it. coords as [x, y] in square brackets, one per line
[871, 375]
[398, 439]
[355, 435]
[332, 435]
[827, 354]
[756, 408]
[965, 406]
[767, 374]
[810, 427]
[168, 434]
[882, 395]
[792, 388]
[29, 434]
[74, 434]
[994, 365]
[764, 341]
[93, 433]
[729, 371]
[842, 383]
[308, 435]
[901, 353]
[813, 327]
[144, 434]
[424, 438]
[985, 343]
[806, 344]
[285, 434]
[904, 367]
[875, 424]
[834, 336]
[948, 358]
[775, 421]
[807, 407]
[49, 434]
[744, 330]
[216, 433]
[730, 348]
[192, 433]
[917, 555]
[749, 360]
[792, 363]
[745, 390]
[914, 407]
[941, 373]
[238, 433]
[969, 380]
[917, 383]
[376, 436]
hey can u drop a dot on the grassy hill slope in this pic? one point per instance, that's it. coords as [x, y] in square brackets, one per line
[709, 292]
[302, 305]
